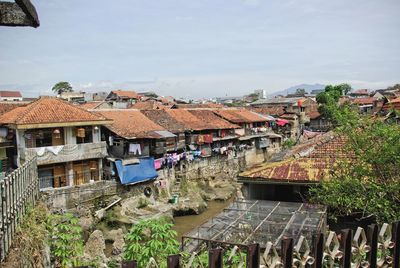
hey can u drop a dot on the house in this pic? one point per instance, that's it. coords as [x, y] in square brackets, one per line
[290, 177]
[133, 139]
[10, 96]
[317, 122]
[122, 99]
[290, 105]
[365, 104]
[64, 138]
[359, 93]
[150, 105]
[203, 128]
[90, 105]
[163, 119]
[73, 96]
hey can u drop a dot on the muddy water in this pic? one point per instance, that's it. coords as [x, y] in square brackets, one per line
[184, 224]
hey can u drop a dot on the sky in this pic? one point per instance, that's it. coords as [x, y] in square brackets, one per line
[202, 48]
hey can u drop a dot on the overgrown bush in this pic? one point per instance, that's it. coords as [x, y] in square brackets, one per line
[32, 236]
[152, 238]
[289, 143]
[66, 241]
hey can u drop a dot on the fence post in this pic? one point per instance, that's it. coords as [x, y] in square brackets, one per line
[287, 252]
[173, 261]
[318, 240]
[372, 237]
[346, 237]
[129, 264]
[215, 259]
[253, 256]
[396, 239]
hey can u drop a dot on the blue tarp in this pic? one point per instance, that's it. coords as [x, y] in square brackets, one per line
[135, 173]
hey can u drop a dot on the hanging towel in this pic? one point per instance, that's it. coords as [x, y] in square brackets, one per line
[40, 151]
[158, 163]
[55, 149]
[135, 148]
[208, 138]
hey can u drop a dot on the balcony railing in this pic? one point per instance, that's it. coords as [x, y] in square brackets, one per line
[65, 153]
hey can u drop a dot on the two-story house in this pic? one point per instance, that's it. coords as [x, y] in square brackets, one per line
[122, 99]
[65, 139]
[133, 142]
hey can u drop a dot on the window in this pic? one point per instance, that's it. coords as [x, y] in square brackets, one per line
[44, 137]
[84, 135]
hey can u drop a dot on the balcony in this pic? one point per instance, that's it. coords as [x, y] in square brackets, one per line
[65, 153]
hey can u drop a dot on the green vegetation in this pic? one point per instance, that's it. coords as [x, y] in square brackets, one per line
[328, 100]
[366, 184]
[66, 241]
[289, 143]
[151, 238]
[31, 237]
[61, 87]
[301, 91]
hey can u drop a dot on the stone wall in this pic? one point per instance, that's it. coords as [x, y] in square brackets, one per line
[220, 167]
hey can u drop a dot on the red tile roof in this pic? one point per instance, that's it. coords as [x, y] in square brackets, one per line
[239, 115]
[363, 101]
[277, 110]
[91, 105]
[313, 114]
[164, 119]
[212, 119]
[311, 162]
[10, 94]
[149, 105]
[199, 119]
[126, 94]
[50, 110]
[6, 107]
[131, 124]
[199, 105]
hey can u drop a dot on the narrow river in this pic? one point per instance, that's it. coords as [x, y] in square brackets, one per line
[184, 224]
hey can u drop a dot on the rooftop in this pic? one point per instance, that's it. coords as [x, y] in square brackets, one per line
[240, 115]
[48, 112]
[125, 94]
[292, 101]
[131, 124]
[308, 163]
[149, 105]
[368, 100]
[165, 120]
[190, 121]
[212, 120]
[10, 94]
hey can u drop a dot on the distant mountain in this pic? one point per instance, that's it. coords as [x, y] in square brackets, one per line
[291, 90]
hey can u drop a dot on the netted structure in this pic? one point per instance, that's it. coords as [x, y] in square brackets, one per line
[247, 222]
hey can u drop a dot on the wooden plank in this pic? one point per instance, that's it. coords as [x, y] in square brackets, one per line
[287, 252]
[318, 240]
[253, 256]
[346, 237]
[215, 258]
[129, 264]
[173, 261]
[396, 249]
[372, 237]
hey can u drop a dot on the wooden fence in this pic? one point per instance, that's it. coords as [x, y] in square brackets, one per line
[18, 190]
[371, 247]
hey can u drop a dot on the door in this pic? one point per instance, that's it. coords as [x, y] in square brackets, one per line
[59, 176]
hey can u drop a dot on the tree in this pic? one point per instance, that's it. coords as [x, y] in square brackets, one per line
[61, 87]
[328, 99]
[300, 91]
[367, 184]
[396, 86]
